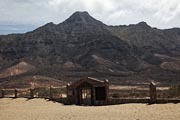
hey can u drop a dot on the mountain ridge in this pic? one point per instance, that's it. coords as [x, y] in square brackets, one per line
[83, 46]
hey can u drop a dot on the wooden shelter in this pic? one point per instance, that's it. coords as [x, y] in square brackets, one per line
[88, 91]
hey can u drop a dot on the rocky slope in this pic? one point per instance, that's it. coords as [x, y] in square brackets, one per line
[148, 41]
[83, 46]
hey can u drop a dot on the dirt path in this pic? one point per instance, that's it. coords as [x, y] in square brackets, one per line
[40, 109]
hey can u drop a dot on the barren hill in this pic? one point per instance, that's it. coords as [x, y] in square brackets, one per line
[83, 46]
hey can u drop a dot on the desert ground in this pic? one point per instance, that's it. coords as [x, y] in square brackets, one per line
[41, 109]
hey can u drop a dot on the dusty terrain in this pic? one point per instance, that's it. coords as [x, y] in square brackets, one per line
[40, 109]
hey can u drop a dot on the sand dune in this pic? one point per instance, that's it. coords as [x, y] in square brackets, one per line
[40, 109]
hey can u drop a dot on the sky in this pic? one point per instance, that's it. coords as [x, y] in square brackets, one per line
[19, 16]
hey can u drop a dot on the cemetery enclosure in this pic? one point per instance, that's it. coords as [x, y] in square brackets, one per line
[90, 91]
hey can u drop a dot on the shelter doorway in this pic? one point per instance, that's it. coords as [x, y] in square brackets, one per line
[85, 96]
[100, 93]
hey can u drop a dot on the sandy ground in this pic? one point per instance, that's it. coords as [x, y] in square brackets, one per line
[40, 109]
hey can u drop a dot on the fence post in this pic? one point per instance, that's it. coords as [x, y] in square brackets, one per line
[68, 93]
[15, 93]
[50, 93]
[32, 93]
[2, 93]
[153, 93]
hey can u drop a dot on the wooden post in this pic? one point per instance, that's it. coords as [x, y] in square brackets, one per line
[107, 90]
[69, 97]
[50, 93]
[67, 88]
[2, 93]
[32, 93]
[15, 93]
[153, 93]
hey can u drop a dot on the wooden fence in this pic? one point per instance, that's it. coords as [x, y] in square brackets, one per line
[41, 92]
[59, 94]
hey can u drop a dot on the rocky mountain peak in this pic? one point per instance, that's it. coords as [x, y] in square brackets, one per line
[50, 24]
[81, 17]
[143, 24]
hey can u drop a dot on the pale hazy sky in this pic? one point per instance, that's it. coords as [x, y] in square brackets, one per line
[24, 15]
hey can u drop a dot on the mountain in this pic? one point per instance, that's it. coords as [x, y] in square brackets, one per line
[150, 40]
[76, 41]
[83, 46]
